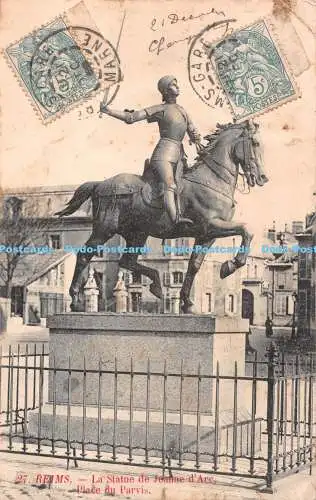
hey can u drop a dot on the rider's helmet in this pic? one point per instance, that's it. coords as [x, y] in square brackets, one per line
[164, 83]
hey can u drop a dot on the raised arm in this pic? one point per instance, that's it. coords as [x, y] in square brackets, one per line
[126, 115]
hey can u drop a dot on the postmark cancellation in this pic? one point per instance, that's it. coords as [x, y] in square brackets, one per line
[249, 67]
[252, 71]
[59, 66]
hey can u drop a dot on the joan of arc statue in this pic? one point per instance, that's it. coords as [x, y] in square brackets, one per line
[173, 122]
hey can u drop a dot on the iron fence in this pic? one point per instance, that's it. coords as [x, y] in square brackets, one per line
[258, 426]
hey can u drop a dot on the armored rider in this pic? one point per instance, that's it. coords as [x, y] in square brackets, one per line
[173, 122]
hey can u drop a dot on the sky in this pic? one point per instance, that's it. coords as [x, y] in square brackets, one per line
[80, 146]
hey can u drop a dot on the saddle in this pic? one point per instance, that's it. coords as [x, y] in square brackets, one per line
[153, 191]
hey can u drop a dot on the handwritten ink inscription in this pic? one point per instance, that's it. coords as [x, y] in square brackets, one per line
[162, 43]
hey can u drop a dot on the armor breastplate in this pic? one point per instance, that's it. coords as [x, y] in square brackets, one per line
[172, 124]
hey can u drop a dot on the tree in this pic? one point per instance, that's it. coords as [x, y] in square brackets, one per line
[20, 227]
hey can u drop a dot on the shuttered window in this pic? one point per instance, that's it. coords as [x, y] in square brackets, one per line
[166, 278]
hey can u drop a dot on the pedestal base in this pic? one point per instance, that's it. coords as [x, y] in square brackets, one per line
[162, 368]
[107, 434]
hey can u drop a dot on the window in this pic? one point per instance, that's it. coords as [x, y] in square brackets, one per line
[54, 241]
[256, 271]
[209, 302]
[177, 277]
[231, 300]
[166, 278]
[302, 304]
[13, 207]
[17, 301]
[137, 277]
[136, 301]
[230, 304]
[281, 305]
[302, 265]
[181, 242]
[281, 280]
[127, 277]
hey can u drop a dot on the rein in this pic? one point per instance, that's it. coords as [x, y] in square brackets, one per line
[209, 186]
[244, 139]
[245, 142]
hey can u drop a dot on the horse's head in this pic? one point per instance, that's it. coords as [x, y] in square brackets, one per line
[247, 152]
[233, 145]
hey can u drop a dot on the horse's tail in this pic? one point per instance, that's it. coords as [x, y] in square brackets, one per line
[82, 194]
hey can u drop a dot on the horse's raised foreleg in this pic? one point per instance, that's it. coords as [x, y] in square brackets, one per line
[129, 261]
[80, 274]
[221, 229]
[195, 262]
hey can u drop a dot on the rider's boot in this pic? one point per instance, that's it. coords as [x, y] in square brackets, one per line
[171, 208]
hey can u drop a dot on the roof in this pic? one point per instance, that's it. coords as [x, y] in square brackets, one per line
[31, 267]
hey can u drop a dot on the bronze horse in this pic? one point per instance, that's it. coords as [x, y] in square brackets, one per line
[120, 205]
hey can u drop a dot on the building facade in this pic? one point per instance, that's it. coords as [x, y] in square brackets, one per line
[306, 300]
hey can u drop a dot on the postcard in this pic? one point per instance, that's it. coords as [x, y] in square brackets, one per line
[158, 249]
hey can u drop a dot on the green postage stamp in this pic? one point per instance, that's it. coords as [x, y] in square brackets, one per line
[252, 72]
[63, 63]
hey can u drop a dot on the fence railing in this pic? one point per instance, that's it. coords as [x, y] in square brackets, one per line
[256, 426]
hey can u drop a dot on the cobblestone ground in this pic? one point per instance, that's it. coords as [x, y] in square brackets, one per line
[12, 491]
[22, 477]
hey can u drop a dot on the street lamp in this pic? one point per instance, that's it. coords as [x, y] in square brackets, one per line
[294, 297]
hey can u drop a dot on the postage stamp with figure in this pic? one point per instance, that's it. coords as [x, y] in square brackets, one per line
[59, 65]
[251, 71]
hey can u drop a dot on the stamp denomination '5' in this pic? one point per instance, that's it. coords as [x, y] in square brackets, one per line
[251, 71]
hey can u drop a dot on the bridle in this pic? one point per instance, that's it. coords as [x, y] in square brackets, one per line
[245, 139]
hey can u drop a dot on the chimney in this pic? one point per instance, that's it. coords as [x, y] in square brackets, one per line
[271, 234]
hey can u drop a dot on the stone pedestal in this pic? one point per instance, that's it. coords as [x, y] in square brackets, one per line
[146, 345]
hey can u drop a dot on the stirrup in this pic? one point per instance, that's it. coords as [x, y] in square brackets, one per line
[184, 220]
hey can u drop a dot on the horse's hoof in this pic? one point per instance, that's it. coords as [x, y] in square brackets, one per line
[77, 306]
[156, 290]
[228, 268]
[187, 308]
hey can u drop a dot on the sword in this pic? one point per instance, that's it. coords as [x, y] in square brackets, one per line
[107, 90]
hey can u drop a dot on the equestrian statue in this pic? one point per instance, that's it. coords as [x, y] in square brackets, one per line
[171, 199]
